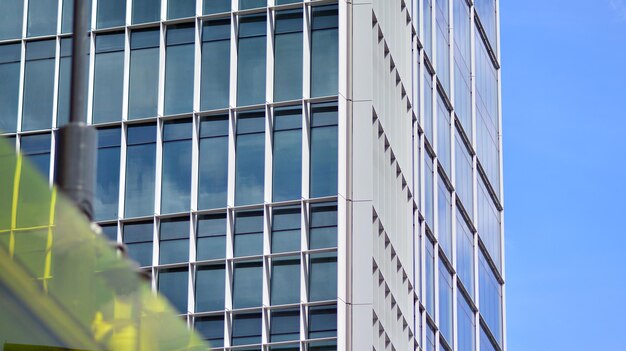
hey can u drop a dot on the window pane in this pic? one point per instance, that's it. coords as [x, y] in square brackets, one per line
[485, 342]
[173, 284]
[181, 8]
[324, 150]
[67, 16]
[246, 329]
[109, 78]
[109, 231]
[250, 4]
[429, 296]
[138, 239]
[285, 280]
[174, 241]
[247, 284]
[285, 325]
[215, 6]
[428, 106]
[10, 24]
[111, 13]
[42, 18]
[9, 89]
[429, 192]
[288, 55]
[179, 66]
[444, 218]
[323, 277]
[445, 302]
[65, 76]
[323, 346]
[487, 11]
[140, 170]
[443, 44]
[465, 321]
[286, 229]
[211, 237]
[489, 223]
[443, 134]
[248, 233]
[324, 51]
[430, 339]
[464, 179]
[465, 254]
[213, 168]
[212, 329]
[144, 77]
[250, 158]
[107, 174]
[38, 85]
[490, 293]
[210, 285]
[323, 226]
[251, 60]
[287, 154]
[176, 186]
[283, 2]
[146, 11]
[428, 23]
[322, 322]
[215, 78]
[37, 150]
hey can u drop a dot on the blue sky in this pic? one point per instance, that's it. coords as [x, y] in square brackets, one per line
[564, 112]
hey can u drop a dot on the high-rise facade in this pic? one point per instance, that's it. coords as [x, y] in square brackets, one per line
[294, 175]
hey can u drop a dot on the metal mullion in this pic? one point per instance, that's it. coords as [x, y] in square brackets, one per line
[126, 79]
[195, 162]
[306, 51]
[162, 62]
[269, 62]
[92, 72]
[158, 168]
[20, 102]
[234, 20]
[269, 137]
[197, 64]
[155, 253]
[55, 88]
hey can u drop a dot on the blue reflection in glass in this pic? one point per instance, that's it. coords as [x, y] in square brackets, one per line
[109, 78]
[140, 170]
[445, 303]
[146, 11]
[107, 174]
[323, 226]
[174, 240]
[465, 254]
[322, 322]
[288, 55]
[283, 2]
[10, 24]
[65, 75]
[246, 329]
[324, 150]
[9, 89]
[286, 229]
[465, 322]
[144, 77]
[179, 64]
[211, 237]
[250, 158]
[215, 79]
[37, 149]
[250, 4]
[173, 284]
[247, 284]
[181, 8]
[215, 6]
[490, 295]
[42, 18]
[110, 231]
[285, 325]
[67, 16]
[248, 238]
[324, 51]
[212, 329]
[287, 154]
[111, 13]
[429, 296]
[444, 218]
[138, 240]
[38, 85]
[213, 167]
[323, 277]
[176, 180]
[210, 285]
[251, 60]
[285, 280]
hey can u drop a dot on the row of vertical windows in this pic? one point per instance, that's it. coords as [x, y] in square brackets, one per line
[444, 133]
[490, 297]
[443, 44]
[487, 12]
[464, 176]
[462, 64]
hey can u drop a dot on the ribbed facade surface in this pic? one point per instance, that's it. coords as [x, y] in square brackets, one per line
[293, 175]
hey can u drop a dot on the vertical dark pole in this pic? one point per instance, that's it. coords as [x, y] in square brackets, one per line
[76, 160]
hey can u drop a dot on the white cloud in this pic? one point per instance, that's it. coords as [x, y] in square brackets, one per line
[619, 7]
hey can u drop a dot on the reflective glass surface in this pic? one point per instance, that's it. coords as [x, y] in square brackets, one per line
[211, 237]
[109, 78]
[246, 329]
[322, 322]
[465, 324]
[180, 8]
[324, 51]
[37, 150]
[443, 135]
[215, 79]
[250, 158]
[285, 280]
[111, 13]
[251, 60]
[445, 303]
[138, 237]
[323, 226]
[210, 285]
[323, 277]
[179, 63]
[250, 4]
[174, 240]
[429, 192]
[107, 174]
[10, 24]
[140, 170]
[247, 284]
[285, 325]
[65, 76]
[490, 292]
[67, 16]
[286, 229]
[144, 77]
[288, 55]
[213, 166]
[146, 11]
[9, 89]
[172, 283]
[215, 6]
[287, 154]
[38, 85]
[176, 176]
[444, 218]
[465, 254]
[248, 233]
[429, 296]
[42, 18]
[212, 329]
[324, 150]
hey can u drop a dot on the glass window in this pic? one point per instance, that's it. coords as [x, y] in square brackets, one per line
[285, 325]
[288, 55]
[464, 179]
[37, 149]
[211, 237]
[38, 85]
[329, 345]
[247, 284]
[485, 341]
[323, 226]
[287, 154]
[215, 6]
[210, 285]
[109, 231]
[215, 80]
[251, 60]
[284, 2]
[144, 77]
[430, 339]
[65, 76]
[429, 192]
[246, 329]
[181, 8]
[174, 240]
[176, 181]
[462, 56]
[140, 170]
[212, 329]
[323, 277]
[9, 89]
[324, 51]
[324, 150]
[248, 233]
[107, 174]
[146, 11]
[490, 293]
[444, 218]
[10, 24]
[487, 12]
[173, 284]
[443, 44]
[68, 13]
[109, 78]
[428, 106]
[322, 322]
[465, 253]
[465, 321]
[445, 302]
[250, 4]
[286, 229]
[42, 18]
[179, 65]
[285, 280]
[250, 158]
[138, 239]
[429, 296]
[443, 135]
[428, 30]
[213, 164]
[111, 13]
[489, 223]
